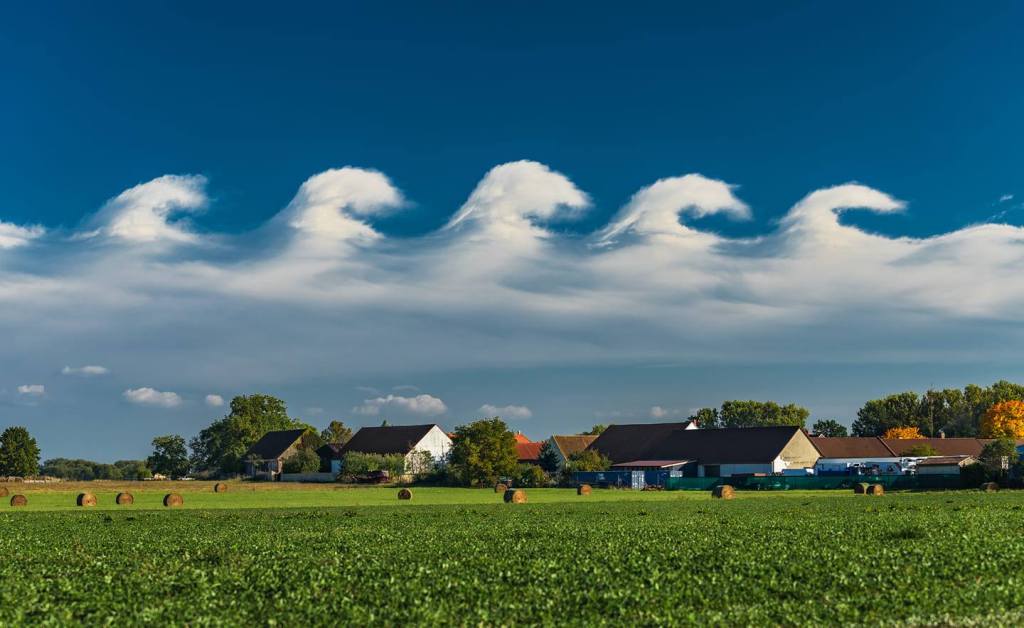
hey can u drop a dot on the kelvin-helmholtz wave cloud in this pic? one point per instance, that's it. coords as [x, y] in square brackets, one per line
[319, 292]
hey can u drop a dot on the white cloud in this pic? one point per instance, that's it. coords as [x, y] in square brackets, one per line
[33, 390]
[1005, 197]
[152, 397]
[13, 236]
[85, 371]
[657, 412]
[505, 412]
[214, 401]
[150, 212]
[421, 405]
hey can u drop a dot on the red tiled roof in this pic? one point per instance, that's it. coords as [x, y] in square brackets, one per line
[528, 452]
[521, 438]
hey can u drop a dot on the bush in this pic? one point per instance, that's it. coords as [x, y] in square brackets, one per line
[532, 476]
[304, 461]
[974, 475]
[359, 463]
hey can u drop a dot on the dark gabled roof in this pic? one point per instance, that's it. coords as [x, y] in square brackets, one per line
[274, 444]
[329, 451]
[622, 443]
[852, 447]
[393, 439]
[569, 445]
[736, 445]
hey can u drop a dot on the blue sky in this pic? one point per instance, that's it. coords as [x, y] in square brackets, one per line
[561, 292]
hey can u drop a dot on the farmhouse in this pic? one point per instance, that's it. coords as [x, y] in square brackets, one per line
[565, 446]
[707, 453]
[266, 457]
[527, 451]
[410, 441]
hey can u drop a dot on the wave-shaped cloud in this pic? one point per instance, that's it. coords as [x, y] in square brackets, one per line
[497, 285]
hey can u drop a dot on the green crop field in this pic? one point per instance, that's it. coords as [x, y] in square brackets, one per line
[320, 555]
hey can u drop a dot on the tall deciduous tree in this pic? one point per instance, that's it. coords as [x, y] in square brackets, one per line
[595, 431]
[761, 414]
[548, 459]
[829, 427]
[706, 418]
[19, 453]
[879, 415]
[221, 446]
[336, 433]
[169, 457]
[483, 452]
[1004, 420]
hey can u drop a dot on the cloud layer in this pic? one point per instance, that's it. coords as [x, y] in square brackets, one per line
[319, 291]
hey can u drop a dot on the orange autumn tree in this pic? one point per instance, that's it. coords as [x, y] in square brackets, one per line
[903, 433]
[1004, 420]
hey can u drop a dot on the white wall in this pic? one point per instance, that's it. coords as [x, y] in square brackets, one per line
[435, 442]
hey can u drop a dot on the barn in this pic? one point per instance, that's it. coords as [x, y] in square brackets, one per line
[267, 455]
[406, 440]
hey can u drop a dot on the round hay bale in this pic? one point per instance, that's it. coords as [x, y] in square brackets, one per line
[405, 494]
[220, 487]
[876, 489]
[19, 500]
[500, 488]
[723, 491]
[86, 500]
[4, 492]
[515, 496]
[124, 499]
[860, 488]
[990, 487]
[583, 489]
[173, 500]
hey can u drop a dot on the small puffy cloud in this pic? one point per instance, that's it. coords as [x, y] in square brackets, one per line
[32, 390]
[214, 401]
[148, 211]
[1005, 197]
[90, 370]
[506, 412]
[13, 236]
[421, 405]
[151, 397]
[657, 412]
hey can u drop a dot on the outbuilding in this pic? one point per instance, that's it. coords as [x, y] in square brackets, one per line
[267, 456]
[415, 442]
[944, 465]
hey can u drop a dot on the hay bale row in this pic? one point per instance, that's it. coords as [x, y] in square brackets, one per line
[173, 500]
[500, 488]
[4, 492]
[860, 488]
[583, 489]
[876, 489]
[220, 487]
[515, 496]
[19, 500]
[405, 494]
[124, 499]
[86, 500]
[723, 491]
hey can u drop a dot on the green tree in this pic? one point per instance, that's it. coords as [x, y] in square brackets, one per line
[19, 453]
[998, 455]
[221, 446]
[879, 415]
[761, 414]
[336, 433]
[304, 461]
[595, 431]
[483, 452]
[588, 460]
[706, 418]
[532, 476]
[359, 463]
[133, 469]
[548, 458]
[829, 427]
[169, 457]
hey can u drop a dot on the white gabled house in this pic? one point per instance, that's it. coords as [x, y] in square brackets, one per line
[411, 441]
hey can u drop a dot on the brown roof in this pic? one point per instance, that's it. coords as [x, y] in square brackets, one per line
[942, 446]
[633, 441]
[569, 445]
[660, 464]
[936, 461]
[274, 444]
[852, 447]
[393, 439]
[521, 438]
[528, 452]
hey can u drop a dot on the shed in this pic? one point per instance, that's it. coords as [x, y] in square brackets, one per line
[267, 455]
[943, 465]
[406, 440]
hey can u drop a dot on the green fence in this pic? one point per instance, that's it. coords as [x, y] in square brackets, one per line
[786, 482]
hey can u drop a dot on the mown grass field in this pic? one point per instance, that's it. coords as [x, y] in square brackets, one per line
[317, 556]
